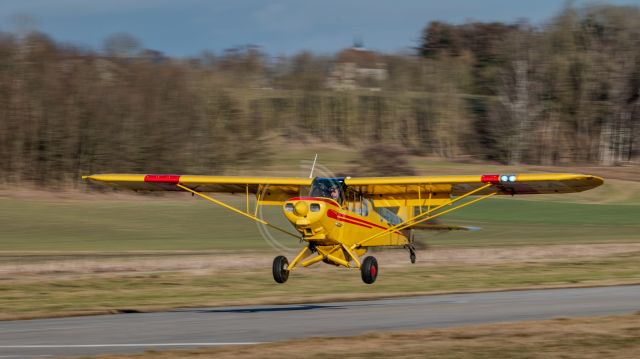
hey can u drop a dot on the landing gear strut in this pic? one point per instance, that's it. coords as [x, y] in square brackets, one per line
[280, 271]
[412, 248]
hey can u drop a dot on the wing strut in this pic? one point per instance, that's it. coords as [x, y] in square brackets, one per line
[231, 208]
[425, 216]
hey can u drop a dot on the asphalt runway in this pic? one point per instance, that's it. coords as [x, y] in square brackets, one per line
[189, 328]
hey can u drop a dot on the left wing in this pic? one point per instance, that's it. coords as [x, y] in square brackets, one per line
[420, 190]
[530, 183]
[420, 199]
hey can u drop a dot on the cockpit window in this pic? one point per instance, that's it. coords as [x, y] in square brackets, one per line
[328, 188]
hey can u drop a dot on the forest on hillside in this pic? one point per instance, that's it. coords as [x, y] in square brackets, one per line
[563, 93]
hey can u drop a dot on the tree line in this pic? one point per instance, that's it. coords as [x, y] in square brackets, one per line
[562, 93]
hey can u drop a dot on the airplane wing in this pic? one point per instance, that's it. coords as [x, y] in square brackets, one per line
[509, 184]
[273, 190]
[419, 199]
[418, 190]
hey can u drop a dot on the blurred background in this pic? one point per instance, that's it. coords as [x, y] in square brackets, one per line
[408, 87]
[83, 91]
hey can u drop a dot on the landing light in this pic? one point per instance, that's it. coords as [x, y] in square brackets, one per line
[288, 207]
[506, 178]
[315, 207]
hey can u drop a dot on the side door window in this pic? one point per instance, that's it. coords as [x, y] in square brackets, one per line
[365, 207]
[353, 203]
[357, 203]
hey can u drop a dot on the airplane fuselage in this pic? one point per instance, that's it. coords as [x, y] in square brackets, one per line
[324, 222]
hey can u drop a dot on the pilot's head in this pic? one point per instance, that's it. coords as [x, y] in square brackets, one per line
[333, 191]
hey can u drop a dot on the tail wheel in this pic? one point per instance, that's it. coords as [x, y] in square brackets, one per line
[412, 253]
[280, 271]
[369, 270]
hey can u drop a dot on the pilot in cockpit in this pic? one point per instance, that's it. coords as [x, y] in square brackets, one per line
[334, 193]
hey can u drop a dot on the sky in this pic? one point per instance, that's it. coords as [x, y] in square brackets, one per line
[280, 27]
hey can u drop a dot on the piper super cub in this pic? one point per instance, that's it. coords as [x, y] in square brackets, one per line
[339, 219]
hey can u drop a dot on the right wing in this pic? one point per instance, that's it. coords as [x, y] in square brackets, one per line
[272, 190]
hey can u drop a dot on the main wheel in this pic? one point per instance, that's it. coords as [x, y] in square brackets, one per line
[369, 270]
[280, 271]
[412, 257]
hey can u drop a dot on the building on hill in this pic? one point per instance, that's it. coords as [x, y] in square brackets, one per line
[357, 68]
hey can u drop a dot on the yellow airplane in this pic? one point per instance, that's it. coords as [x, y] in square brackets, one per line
[341, 218]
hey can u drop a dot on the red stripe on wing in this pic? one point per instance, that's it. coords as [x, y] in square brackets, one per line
[162, 178]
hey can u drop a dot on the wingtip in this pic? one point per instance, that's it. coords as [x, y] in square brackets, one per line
[598, 180]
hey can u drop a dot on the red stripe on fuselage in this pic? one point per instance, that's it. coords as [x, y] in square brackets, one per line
[361, 222]
[335, 215]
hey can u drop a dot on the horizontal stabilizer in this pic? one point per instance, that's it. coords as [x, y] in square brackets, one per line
[443, 227]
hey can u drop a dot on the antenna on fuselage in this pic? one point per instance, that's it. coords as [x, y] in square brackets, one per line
[313, 166]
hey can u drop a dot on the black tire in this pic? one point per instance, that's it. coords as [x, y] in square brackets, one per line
[369, 270]
[412, 258]
[280, 272]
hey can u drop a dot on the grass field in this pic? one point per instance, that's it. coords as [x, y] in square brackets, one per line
[194, 225]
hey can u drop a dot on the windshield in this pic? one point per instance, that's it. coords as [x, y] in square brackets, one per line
[328, 188]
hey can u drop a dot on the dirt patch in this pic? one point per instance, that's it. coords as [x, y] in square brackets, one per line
[497, 255]
[91, 263]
